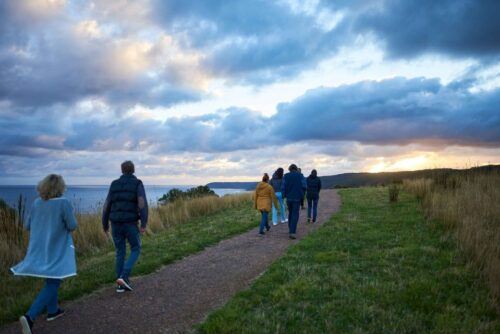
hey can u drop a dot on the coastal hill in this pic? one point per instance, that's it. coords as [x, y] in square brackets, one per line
[365, 179]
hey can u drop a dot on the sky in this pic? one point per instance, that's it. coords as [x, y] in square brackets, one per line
[200, 91]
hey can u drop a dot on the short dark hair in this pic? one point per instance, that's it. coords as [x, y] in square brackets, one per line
[293, 167]
[265, 178]
[128, 167]
[279, 173]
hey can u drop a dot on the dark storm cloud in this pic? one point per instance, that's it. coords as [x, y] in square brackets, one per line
[461, 28]
[263, 41]
[393, 111]
[253, 41]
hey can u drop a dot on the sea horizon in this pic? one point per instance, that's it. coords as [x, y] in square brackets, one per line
[89, 198]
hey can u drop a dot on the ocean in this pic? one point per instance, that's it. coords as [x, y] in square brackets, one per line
[90, 198]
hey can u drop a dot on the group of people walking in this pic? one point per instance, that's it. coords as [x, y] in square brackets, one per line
[51, 251]
[270, 195]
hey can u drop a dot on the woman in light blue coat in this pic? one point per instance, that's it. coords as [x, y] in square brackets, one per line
[276, 183]
[51, 253]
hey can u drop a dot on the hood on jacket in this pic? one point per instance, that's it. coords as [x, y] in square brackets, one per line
[314, 174]
[262, 185]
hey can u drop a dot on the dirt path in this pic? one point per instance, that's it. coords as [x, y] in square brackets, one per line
[181, 294]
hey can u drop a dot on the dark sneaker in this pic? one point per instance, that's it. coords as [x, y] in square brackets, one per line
[314, 222]
[26, 324]
[261, 233]
[125, 283]
[292, 236]
[308, 220]
[120, 288]
[268, 228]
[54, 316]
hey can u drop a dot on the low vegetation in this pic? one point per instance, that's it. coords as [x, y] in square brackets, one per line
[375, 267]
[175, 230]
[394, 190]
[467, 205]
[176, 194]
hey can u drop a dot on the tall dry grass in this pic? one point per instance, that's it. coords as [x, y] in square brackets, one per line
[468, 204]
[13, 237]
[89, 236]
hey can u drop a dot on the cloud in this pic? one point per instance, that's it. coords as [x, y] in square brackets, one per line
[70, 58]
[73, 75]
[227, 130]
[393, 111]
[258, 43]
[459, 28]
[161, 53]
[397, 111]
[248, 41]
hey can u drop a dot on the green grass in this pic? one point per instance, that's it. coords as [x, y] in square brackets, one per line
[97, 270]
[375, 267]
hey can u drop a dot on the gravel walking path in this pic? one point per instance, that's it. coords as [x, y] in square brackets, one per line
[181, 294]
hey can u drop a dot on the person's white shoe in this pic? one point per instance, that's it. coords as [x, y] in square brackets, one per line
[275, 223]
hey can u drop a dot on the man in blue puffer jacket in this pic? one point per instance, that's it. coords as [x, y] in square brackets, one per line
[125, 206]
[293, 189]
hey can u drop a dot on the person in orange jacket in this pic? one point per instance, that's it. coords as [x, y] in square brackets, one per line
[264, 196]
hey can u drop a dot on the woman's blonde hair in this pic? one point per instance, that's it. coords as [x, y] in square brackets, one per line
[51, 186]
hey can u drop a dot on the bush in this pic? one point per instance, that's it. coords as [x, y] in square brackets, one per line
[177, 194]
[394, 192]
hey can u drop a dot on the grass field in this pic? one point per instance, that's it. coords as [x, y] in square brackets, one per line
[467, 205]
[375, 267]
[174, 236]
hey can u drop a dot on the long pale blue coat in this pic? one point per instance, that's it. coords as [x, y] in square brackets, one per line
[51, 253]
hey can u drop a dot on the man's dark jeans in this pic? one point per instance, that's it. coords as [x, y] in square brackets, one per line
[312, 203]
[293, 215]
[123, 232]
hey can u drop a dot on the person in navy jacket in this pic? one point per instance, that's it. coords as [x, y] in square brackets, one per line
[125, 206]
[293, 189]
[313, 189]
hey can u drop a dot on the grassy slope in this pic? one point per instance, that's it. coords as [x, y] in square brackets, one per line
[374, 267]
[16, 293]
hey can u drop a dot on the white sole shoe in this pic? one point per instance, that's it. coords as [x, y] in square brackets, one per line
[124, 283]
[25, 326]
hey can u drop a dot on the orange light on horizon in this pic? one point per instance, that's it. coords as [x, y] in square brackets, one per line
[413, 163]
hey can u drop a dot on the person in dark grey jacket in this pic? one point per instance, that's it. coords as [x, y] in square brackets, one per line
[312, 194]
[276, 182]
[125, 206]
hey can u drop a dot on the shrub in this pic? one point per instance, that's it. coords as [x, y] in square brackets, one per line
[394, 192]
[177, 194]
